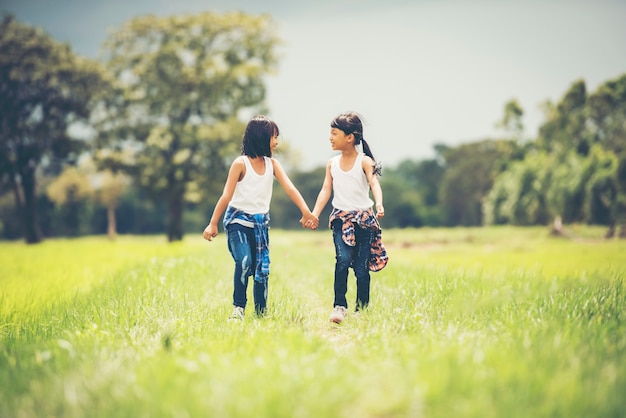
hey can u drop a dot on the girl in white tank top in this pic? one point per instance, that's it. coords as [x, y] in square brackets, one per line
[245, 204]
[350, 176]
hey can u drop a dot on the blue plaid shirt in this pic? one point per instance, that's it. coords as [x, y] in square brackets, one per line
[261, 222]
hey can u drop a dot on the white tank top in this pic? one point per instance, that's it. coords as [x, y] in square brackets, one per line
[350, 188]
[254, 192]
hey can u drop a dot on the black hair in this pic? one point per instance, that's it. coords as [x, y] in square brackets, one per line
[256, 138]
[350, 123]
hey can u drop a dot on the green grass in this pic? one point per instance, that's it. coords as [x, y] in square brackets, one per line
[467, 322]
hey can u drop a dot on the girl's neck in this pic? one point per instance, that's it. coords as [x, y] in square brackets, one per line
[349, 152]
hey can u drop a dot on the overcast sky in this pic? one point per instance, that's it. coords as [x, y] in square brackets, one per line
[421, 72]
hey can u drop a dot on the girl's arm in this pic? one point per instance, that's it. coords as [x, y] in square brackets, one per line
[307, 217]
[325, 191]
[372, 179]
[235, 174]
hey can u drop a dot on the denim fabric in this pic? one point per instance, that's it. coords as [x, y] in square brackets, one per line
[363, 219]
[261, 222]
[242, 247]
[356, 257]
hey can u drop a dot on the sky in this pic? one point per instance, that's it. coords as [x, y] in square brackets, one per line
[420, 72]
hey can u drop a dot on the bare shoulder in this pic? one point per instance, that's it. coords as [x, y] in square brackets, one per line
[367, 164]
[238, 167]
[238, 163]
[275, 163]
[367, 161]
[279, 171]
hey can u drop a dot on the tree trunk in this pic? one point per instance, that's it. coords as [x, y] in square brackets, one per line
[19, 204]
[175, 217]
[32, 232]
[111, 222]
[610, 232]
[557, 226]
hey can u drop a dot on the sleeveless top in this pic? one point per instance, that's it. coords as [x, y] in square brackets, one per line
[254, 192]
[350, 188]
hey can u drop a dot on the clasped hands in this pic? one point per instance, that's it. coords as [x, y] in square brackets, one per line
[310, 221]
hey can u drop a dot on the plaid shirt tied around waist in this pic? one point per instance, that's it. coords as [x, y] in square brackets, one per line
[363, 219]
[261, 222]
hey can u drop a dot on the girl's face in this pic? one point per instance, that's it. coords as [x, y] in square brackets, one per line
[273, 143]
[339, 140]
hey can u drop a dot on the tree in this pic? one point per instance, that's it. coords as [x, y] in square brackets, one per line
[511, 121]
[606, 109]
[111, 187]
[44, 89]
[70, 192]
[412, 193]
[569, 188]
[594, 127]
[607, 112]
[520, 194]
[566, 123]
[403, 204]
[470, 171]
[186, 82]
[107, 187]
[620, 205]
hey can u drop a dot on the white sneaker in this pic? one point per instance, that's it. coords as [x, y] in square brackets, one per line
[237, 313]
[338, 314]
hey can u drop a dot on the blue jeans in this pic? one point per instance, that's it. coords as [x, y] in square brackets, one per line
[356, 257]
[242, 247]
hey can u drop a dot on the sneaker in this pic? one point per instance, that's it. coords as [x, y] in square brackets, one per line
[237, 313]
[338, 314]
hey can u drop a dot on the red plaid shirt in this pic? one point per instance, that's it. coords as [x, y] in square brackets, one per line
[363, 219]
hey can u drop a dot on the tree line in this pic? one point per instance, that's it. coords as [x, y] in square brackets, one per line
[139, 142]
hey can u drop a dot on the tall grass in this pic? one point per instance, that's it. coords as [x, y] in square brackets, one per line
[463, 322]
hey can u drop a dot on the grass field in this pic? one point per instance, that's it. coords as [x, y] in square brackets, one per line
[494, 322]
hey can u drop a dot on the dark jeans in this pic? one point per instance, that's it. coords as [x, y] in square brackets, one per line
[242, 247]
[356, 257]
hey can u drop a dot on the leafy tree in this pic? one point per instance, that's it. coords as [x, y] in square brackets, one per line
[511, 121]
[136, 214]
[606, 109]
[185, 83]
[70, 191]
[566, 122]
[564, 179]
[403, 204]
[412, 193]
[44, 89]
[423, 176]
[619, 216]
[587, 124]
[111, 188]
[569, 188]
[470, 171]
[601, 189]
[107, 188]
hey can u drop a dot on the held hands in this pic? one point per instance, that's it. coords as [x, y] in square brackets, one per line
[210, 232]
[310, 221]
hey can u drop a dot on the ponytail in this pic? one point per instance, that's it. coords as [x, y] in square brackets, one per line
[378, 168]
[366, 149]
